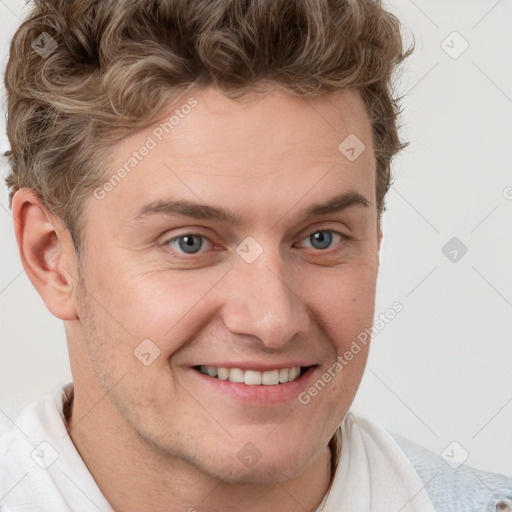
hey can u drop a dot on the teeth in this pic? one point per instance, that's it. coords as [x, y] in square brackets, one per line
[253, 377]
[283, 375]
[270, 378]
[236, 375]
[210, 370]
[293, 373]
[223, 373]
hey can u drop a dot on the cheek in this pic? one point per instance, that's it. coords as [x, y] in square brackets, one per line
[343, 299]
[163, 306]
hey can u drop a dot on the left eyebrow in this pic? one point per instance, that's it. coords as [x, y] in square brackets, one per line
[206, 212]
[336, 204]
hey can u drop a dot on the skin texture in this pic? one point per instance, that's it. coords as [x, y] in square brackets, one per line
[158, 436]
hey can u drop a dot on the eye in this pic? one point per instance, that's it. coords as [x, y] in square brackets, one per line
[323, 238]
[188, 243]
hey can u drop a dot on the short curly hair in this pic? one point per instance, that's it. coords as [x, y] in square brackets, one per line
[112, 65]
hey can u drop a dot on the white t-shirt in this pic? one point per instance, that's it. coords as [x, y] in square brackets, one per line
[41, 470]
[40, 467]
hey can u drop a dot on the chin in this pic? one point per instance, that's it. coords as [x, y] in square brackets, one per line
[272, 464]
[270, 471]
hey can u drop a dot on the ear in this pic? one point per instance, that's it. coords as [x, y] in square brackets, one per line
[47, 253]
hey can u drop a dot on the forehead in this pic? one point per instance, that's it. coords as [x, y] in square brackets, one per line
[218, 124]
[207, 147]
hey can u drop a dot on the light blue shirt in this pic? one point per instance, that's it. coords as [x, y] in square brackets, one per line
[463, 489]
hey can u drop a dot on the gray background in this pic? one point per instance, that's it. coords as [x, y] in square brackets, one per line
[440, 372]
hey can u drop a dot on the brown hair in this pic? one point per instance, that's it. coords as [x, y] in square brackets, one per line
[108, 68]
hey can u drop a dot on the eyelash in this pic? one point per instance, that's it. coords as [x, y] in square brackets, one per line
[344, 239]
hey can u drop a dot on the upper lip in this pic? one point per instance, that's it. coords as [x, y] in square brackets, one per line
[262, 367]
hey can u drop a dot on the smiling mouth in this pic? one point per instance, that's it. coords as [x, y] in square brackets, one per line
[254, 377]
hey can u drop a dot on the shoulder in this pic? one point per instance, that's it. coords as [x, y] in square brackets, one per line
[29, 453]
[459, 488]
[40, 467]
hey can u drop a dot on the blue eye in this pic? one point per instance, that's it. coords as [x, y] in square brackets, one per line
[323, 238]
[189, 244]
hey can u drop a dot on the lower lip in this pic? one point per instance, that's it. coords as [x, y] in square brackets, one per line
[259, 394]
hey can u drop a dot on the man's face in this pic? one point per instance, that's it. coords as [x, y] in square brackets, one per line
[268, 285]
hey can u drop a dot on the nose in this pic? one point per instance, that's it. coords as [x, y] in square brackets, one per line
[261, 302]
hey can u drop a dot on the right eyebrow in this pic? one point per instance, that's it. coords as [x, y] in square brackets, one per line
[188, 209]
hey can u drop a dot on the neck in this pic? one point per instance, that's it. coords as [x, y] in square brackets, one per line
[168, 484]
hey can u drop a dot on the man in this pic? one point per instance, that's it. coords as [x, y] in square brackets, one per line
[197, 190]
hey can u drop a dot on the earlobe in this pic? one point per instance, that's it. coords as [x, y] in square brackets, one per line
[47, 253]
